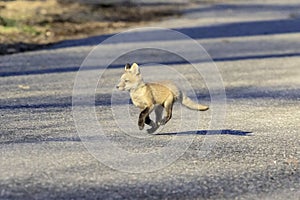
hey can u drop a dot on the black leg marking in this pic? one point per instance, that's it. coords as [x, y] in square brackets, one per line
[142, 118]
[148, 120]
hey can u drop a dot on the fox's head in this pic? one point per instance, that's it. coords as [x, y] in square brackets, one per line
[131, 78]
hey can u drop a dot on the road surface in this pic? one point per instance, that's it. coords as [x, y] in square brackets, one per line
[254, 154]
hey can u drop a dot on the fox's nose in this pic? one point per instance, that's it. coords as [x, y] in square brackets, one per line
[117, 87]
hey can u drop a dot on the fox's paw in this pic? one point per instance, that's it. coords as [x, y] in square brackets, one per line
[162, 122]
[141, 124]
[141, 127]
[153, 128]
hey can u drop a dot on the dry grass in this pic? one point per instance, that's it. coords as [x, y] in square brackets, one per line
[26, 25]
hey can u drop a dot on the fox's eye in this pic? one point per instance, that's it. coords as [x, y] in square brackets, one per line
[126, 81]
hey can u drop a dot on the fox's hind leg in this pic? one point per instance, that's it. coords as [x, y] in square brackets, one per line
[168, 105]
[159, 113]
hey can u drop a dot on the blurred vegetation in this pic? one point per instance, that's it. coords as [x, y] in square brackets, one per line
[28, 24]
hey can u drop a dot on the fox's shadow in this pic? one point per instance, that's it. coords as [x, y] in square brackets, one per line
[211, 132]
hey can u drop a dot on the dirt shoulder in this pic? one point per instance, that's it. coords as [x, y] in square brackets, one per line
[29, 25]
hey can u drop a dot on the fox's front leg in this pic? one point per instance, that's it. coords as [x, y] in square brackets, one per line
[155, 125]
[144, 118]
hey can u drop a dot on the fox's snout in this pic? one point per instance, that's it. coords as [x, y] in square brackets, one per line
[120, 86]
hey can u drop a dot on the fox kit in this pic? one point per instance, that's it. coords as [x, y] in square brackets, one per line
[147, 96]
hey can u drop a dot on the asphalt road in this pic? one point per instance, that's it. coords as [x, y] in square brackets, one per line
[254, 154]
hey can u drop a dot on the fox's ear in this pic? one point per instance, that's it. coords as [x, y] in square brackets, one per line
[127, 67]
[135, 69]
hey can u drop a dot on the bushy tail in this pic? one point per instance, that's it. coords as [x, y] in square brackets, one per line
[192, 105]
